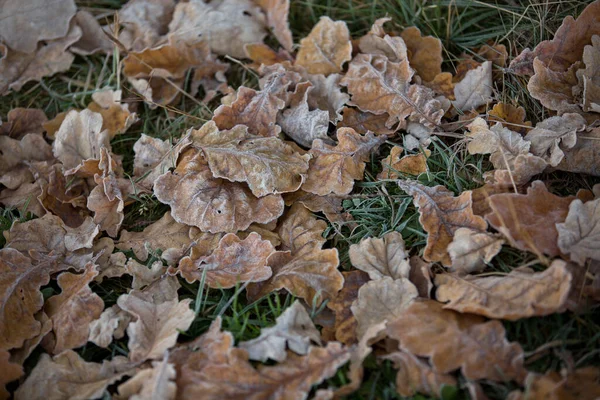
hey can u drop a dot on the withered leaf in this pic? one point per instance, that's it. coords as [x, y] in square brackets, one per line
[17, 155]
[21, 121]
[144, 275]
[452, 341]
[112, 323]
[293, 329]
[334, 169]
[511, 117]
[326, 48]
[412, 164]
[520, 294]
[363, 122]
[151, 383]
[555, 89]
[212, 204]
[470, 251]
[475, 89]
[10, 372]
[381, 257]
[73, 310]
[327, 95]
[116, 117]
[579, 234]
[548, 136]
[583, 157]
[441, 215]
[267, 165]
[277, 19]
[424, 53]
[143, 22]
[154, 157]
[581, 383]
[529, 220]
[589, 76]
[376, 41]
[233, 261]
[93, 39]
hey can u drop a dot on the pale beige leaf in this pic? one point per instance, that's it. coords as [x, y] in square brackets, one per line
[326, 48]
[579, 235]
[143, 22]
[277, 19]
[471, 251]
[156, 383]
[112, 323]
[154, 157]
[381, 257]
[475, 89]
[93, 39]
[548, 136]
[327, 95]
[144, 275]
[16, 156]
[377, 42]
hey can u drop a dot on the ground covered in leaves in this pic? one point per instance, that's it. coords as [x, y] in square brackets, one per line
[253, 199]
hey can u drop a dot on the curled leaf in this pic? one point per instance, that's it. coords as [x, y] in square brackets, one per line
[326, 48]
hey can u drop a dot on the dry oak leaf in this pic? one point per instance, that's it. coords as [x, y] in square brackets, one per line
[363, 122]
[555, 90]
[20, 281]
[471, 251]
[416, 376]
[112, 323]
[441, 215]
[420, 275]
[151, 383]
[529, 220]
[380, 86]
[520, 294]
[73, 310]
[293, 329]
[142, 23]
[267, 164]
[327, 95]
[67, 375]
[377, 42]
[579, 235]
[452, 340]
[382, 300]
[116, 117]
[159, 318]
[261, 54]
[424, 53]
[583, 157]
[10, 372]
[333, 169]
[21, 354]
[590, 76]
[511, 117]
[381, 257]
[475, 89]
[412, 164]
[21, 121]
[144, 275]
[326, 48]
[213, 205]
[551, 135]
[233, 261]
[331, 205]
[93, 39]
[277, 19]
[581, 383]
[16, 156]
[302, 268]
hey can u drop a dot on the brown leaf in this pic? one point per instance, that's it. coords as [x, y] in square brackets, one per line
[154, 157]
[529, 220]
[420, 275]
[582, 158]
[327, 95]
[10, 372]
[21, 121]
[331, 205]
[520, 294]
[262, 54]
[93, 39]
[144, 275]
[334, 169]
[267, 165]
[578, 234]
[424, 53]
[471, 251]
[212, 204]
[441, 215]
[581, 383]
[511, 117]
[112, 323]
[17, 155]
[548, 136]
[277, 19]
[555, 89]
[588, 77]
[475, 89]
[452, 341]
[116, 117]
[380, 86]
[384, 257]
[377, 42]
[233, 261]
[68, 375]
[326, 48]
[73, 310]
[363, 122]
[151, 383]
[143, 22]
[413, 164]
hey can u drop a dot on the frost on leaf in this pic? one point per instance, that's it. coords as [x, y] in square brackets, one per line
[554, 133]
[424, 53]
[277, 12]
[381, 257]
[326, 48]
[112, 323]
[475, 89]
[470, 251]
[520, 294]
[412, 164]
[10, 372]
[452, 341]
[116, 117]
[441, 215]
[363, 122]
[151, 383]
[16, 156]
[579, 235]
[212, 204]
[333, 169]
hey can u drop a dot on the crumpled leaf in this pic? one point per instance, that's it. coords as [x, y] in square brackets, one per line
[16, 156]
[381, 257]
[160, 316]
[412, 164]
[67, 375]
[441, 215]
[548, 136]
[529, 220]
[470, 251]
[424, 53]
[93, 39]
[277, 19]
[10, 372]
[511, 117]
[376, 41]
[555, 89]
[154, 157]
[582, 158]
[452, 341]
[116, 117]
[151, 383]
[212, 204]
[21, 121]
[578, 234]
[143, 22]
[581, 383]
[112, 323]
[327, 95]
[381, 300]
[233, 261]
[475, 89]
[334, 169]
[267, 165]
[302, 268]
[144, 275]
[73, 310]
[520, 294]
[326, 48]
[293, 329]
[380, 86]
[589, 76]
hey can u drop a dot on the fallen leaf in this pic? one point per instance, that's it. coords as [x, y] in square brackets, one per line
[116, 117]
[441, 215]
[588, 76]
[548, 136]
[327, 95]
[452, 341]
[333, 169]
[154, 157]
[424, 53]
[326, 48]
[520, 294]
[578, 234]
[142, 23]
[277, 19]
[112, 323]
[330, 205]
[412, 164]
[511, 117]
[471, 251]
[581, 383]
[151, 383]
[363, 122]
[377, 42]
[293, 329]
[582, 158]
[144, 275]
[93, 39]
[10, 372]
[529, 220]
[420, 275]
[21, 121]
[16, 156]
[381, 257]
[555, 89]
[475, 89]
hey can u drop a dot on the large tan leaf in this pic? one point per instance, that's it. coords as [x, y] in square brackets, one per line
[277, 19]
[160, 317]
[578, 236]
[548, 136]
[520, 294]
[441, 215]
[68, 376]
[267, 165]
[529, 220]
[470, 251]
[212, 204]
[10, 372]
[452, 341]
[233, 261]
[334, 169]
[475, 89]
[424, 53]
[293, 329]
[326, 48]
[151, 383]
[381, 257]
[581, 383]
[380, 86]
